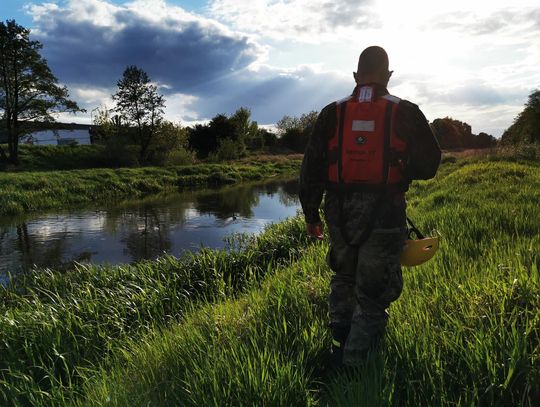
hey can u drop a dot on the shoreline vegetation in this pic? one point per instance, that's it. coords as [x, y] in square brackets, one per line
[23, 192]
[248, 326]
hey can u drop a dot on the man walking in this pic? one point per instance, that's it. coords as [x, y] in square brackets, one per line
[364, 151]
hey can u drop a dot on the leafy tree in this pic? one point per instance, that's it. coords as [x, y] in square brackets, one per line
[28, 89]
[226, 133]
[246, 129]
[169, 138]
[269, 139]
[484, 140]
[451, 133]
[294, 132]
[526, 127]
[140, 106]
[105, 126]
[205, 139]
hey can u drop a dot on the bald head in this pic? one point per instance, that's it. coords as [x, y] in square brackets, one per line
[373, 66]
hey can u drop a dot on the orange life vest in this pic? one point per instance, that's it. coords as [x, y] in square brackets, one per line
[365, 151]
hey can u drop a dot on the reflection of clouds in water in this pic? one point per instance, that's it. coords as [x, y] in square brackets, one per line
[192, 213]
[131, 231]
[54, 225]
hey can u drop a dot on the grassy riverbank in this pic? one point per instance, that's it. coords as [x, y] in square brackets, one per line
[30, 191]
[466, 330]
[55, 325]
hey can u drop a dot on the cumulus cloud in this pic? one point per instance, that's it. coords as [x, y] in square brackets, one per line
[302, 20]
[483, 95]
[180, 108]
[522, 19]
[89, 96]
[205, 65]
[271, 93]
[93, 41]
[486, 107]
[202, 67]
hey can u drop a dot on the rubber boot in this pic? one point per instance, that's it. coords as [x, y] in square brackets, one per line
[368, 331]
[339, 337]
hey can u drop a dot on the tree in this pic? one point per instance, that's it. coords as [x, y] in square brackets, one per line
[140, 106]
[28, 89]
[232, 134]
[246, 130]
[105, 126]
[294, 132]
[484, 140]
[452, 133]
[170, 138]
[205, 139]
[526, 127]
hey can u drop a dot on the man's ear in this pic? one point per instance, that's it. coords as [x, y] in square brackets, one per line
[355, 76]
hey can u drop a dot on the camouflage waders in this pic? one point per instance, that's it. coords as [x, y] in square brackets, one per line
[367, 277]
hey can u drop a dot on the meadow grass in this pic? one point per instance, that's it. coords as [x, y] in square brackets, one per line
[22, 192]
[53, 324]
[265, 348]
[465, 331]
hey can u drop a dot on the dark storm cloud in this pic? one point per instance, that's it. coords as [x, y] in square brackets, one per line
[197, 58]
[181, 54]
[271, 94]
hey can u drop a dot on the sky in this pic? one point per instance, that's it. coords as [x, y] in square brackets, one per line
[474, 61]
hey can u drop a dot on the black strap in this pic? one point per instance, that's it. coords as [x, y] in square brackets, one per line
[413, 229]
[386, 168]
[341, 191]
[387, 135]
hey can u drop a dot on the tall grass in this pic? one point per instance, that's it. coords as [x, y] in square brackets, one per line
[465, 331]
[54, 324]
[265, 349]
[31, 191]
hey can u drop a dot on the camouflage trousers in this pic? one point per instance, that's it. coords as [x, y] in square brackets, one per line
[367, 278]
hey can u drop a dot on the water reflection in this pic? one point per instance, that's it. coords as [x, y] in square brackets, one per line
[137, 230]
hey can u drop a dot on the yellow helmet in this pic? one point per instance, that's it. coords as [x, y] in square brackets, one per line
[419, 250]
[416, 252]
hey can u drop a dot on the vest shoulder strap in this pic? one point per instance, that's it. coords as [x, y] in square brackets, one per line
[345, 99]
[392, 98]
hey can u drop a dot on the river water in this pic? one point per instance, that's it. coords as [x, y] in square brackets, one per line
[145, 229]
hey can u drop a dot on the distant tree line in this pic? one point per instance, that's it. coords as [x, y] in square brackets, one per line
[135, 131]
[230, 137]
[454, 134]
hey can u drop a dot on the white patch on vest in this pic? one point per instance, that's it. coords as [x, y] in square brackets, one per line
[365, 94]
[392, 98]
[363, 125]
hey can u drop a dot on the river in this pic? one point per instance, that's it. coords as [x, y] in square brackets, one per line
[131, 231]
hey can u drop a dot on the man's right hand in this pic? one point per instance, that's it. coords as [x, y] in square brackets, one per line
[315, 230]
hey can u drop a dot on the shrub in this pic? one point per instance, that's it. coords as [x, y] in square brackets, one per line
[180, 156]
